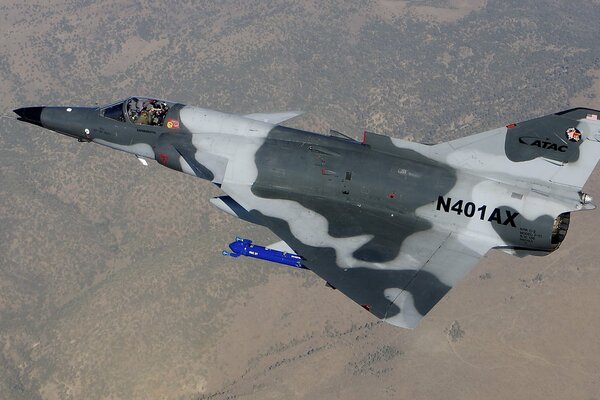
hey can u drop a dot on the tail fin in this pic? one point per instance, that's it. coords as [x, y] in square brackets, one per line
[561, 148]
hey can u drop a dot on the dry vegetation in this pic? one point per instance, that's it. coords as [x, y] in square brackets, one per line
[111, 279]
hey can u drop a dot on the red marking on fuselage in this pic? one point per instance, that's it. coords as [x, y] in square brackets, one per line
[163, 158]
[392, 195]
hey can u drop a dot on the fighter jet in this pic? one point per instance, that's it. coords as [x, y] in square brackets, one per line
[392, 224]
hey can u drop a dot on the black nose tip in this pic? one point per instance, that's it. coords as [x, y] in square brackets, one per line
[30, 114]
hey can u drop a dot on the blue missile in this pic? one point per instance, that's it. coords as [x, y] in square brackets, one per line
[244, 247]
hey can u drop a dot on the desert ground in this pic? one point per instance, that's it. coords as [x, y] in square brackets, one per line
[112, 283]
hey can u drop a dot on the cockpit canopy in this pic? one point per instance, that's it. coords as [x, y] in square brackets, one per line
[139, 111]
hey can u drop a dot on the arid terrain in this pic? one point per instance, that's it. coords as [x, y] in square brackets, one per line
[112, 283]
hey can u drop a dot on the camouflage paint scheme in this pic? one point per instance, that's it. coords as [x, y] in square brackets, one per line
[392, 224]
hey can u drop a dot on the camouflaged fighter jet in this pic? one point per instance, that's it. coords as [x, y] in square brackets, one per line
[392, 224]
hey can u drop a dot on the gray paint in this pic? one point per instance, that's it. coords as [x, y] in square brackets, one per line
[379, 200]
[542, 137]
[383, 191]
[363, 285]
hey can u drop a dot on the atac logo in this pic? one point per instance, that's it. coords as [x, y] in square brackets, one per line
[543, 143]
[573, 134]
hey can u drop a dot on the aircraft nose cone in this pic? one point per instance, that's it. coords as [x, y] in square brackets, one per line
[30, 114]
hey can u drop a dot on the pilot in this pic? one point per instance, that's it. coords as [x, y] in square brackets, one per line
[143, 118]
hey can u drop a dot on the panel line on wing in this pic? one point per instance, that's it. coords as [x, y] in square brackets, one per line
[416, 274]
